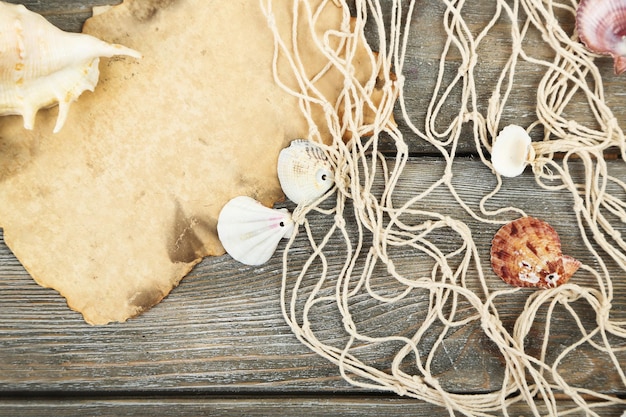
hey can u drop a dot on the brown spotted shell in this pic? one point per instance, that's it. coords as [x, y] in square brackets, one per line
[527, 253]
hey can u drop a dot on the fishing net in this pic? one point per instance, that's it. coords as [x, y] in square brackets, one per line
[412, 280]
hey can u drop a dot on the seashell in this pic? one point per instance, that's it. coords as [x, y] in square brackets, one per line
[601, 26]
[250, 232]
[304, 171]
[41, 65]
[527, 253]
[512, 151]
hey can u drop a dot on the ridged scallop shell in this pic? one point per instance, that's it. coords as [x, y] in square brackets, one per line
[41, 65]
[250, 232]
[601, 26]
[304, 171]
[512, 151]
[527, 253]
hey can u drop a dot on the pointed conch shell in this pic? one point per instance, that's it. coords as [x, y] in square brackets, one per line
[304, 171]
[250, 232]
[527, 253]
[512, 151]
[41, 65]
[601, 26]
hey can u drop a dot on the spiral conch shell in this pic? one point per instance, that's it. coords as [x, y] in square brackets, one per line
[41, 65]
[304, 171]
[250, 232]
[527, 253]
[601, 26]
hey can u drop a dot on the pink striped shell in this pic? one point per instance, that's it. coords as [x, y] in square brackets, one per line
[601, 26]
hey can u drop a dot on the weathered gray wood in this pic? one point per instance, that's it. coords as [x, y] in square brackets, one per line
[50, 7]
[228, 405]
[421, 67]
[221, 331]
[222, 327]
[425, 46]
[67, 15]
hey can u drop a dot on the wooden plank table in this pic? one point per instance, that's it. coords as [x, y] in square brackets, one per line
[218, 344]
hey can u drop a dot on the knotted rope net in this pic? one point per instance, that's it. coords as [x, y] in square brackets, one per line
[402, 254]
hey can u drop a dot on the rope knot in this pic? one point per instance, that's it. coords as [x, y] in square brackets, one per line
[489, 322]
[579, 205]
[328, 108]
[463, 68]
[432, 382]
[271, 21]
[340, 221]
[447, 176]
[572, 125]
[603, 313]
[612, 124]
[419, 384]
[399, 82]
[348, 82]
[400, 390]
[298, 215]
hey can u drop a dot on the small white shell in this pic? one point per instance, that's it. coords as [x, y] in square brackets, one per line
[41, 65]
[250, 232]
[512, 151]
[304, 171]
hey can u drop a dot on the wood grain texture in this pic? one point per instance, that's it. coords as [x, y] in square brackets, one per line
[423, 55]
[222, 328]
[67, 15]
[229, 405]
[218, 344]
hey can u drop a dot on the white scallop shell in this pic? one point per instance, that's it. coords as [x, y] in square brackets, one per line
[41, 65]
[250, 232]
[512, 151]
[304, 171]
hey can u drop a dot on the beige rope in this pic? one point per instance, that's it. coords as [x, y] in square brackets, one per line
[384, 225]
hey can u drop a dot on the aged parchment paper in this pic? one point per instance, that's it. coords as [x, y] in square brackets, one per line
[115, 209]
